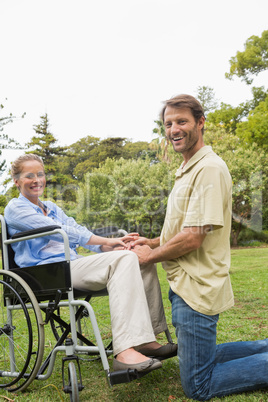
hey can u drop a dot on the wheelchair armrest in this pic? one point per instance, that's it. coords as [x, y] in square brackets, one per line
[39, 232]
[35, 231]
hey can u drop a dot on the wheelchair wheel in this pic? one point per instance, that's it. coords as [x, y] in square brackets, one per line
[21, 333]
[73, 383]
[60, 323]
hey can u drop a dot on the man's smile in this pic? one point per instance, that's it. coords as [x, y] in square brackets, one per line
[178, 138]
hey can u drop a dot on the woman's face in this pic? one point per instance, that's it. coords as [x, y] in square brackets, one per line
[32, 180]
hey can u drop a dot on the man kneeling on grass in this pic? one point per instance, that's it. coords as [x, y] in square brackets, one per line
[194, 249]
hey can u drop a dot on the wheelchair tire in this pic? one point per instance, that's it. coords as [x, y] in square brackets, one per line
[21, 333]
[73, 383]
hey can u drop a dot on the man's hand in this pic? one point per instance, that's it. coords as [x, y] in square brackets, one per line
[189, 239]
[143, 252]
[141, 241]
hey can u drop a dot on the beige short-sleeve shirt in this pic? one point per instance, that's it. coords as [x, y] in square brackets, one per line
[202, 195]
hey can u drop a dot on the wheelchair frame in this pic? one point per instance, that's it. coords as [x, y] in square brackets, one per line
[19, 296]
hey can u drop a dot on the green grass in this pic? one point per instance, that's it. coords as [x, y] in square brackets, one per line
[248, 320]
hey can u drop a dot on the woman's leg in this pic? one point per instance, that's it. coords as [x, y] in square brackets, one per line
[119, 271]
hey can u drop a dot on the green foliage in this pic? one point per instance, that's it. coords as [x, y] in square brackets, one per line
[252, 60]
[139, 149]
[6, 120]
[129, 193]
[89, 152]
[3, 203]
[259, 95]
[248, 236]
[255, 129]
[43, 144]
[227, 116]
[5, 141]
[248, 168]
[206, 97]
[161, 144]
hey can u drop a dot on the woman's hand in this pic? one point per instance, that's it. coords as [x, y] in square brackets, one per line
[112, 244]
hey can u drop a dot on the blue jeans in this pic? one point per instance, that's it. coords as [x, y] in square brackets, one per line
[208, 370]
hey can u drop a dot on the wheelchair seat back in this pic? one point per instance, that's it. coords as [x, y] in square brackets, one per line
[44, 280]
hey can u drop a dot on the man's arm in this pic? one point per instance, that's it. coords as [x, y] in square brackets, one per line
[189, 239]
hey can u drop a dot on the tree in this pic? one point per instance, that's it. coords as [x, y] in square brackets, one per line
[131, 194]
[90, 152]
[5, 141]
[229, 117]
[248, 168]
[139, 149]
[112, 147]
[80, 157]
[255, 129]
[206, 97]
[259, 95]
[3, 203]
[252, 60]
[43, 145]
[161, 143]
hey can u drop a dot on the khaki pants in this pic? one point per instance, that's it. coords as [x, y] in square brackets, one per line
[135, 299]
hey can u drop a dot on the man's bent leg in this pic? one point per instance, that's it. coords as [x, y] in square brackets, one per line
[154, 297]
[203, 369]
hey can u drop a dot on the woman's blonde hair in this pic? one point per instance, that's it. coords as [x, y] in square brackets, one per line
[17, 164]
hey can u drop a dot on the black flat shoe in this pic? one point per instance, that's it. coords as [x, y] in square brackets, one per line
[164, 352]
[144, 367]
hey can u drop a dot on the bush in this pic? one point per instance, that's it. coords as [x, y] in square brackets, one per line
[248, 236]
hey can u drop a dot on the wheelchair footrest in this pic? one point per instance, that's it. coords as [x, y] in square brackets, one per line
[121, 376]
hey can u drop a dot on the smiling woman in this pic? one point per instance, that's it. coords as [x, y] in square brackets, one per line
[29, 177]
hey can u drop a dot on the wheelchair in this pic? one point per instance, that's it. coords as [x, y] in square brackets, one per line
[33, 297]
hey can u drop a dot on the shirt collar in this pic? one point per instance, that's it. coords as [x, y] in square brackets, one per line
[194, 159]
[36, 207]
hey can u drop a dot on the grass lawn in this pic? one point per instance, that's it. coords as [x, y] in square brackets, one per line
[248, 320]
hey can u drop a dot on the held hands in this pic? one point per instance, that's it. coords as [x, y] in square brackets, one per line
[119, 243]
[139, 245]
[144, 253]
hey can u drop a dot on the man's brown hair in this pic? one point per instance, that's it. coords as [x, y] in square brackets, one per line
[184, 101]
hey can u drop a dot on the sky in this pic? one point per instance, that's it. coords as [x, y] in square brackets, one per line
[103, 68]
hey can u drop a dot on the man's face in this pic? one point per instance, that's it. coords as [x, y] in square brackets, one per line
[183, 131]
